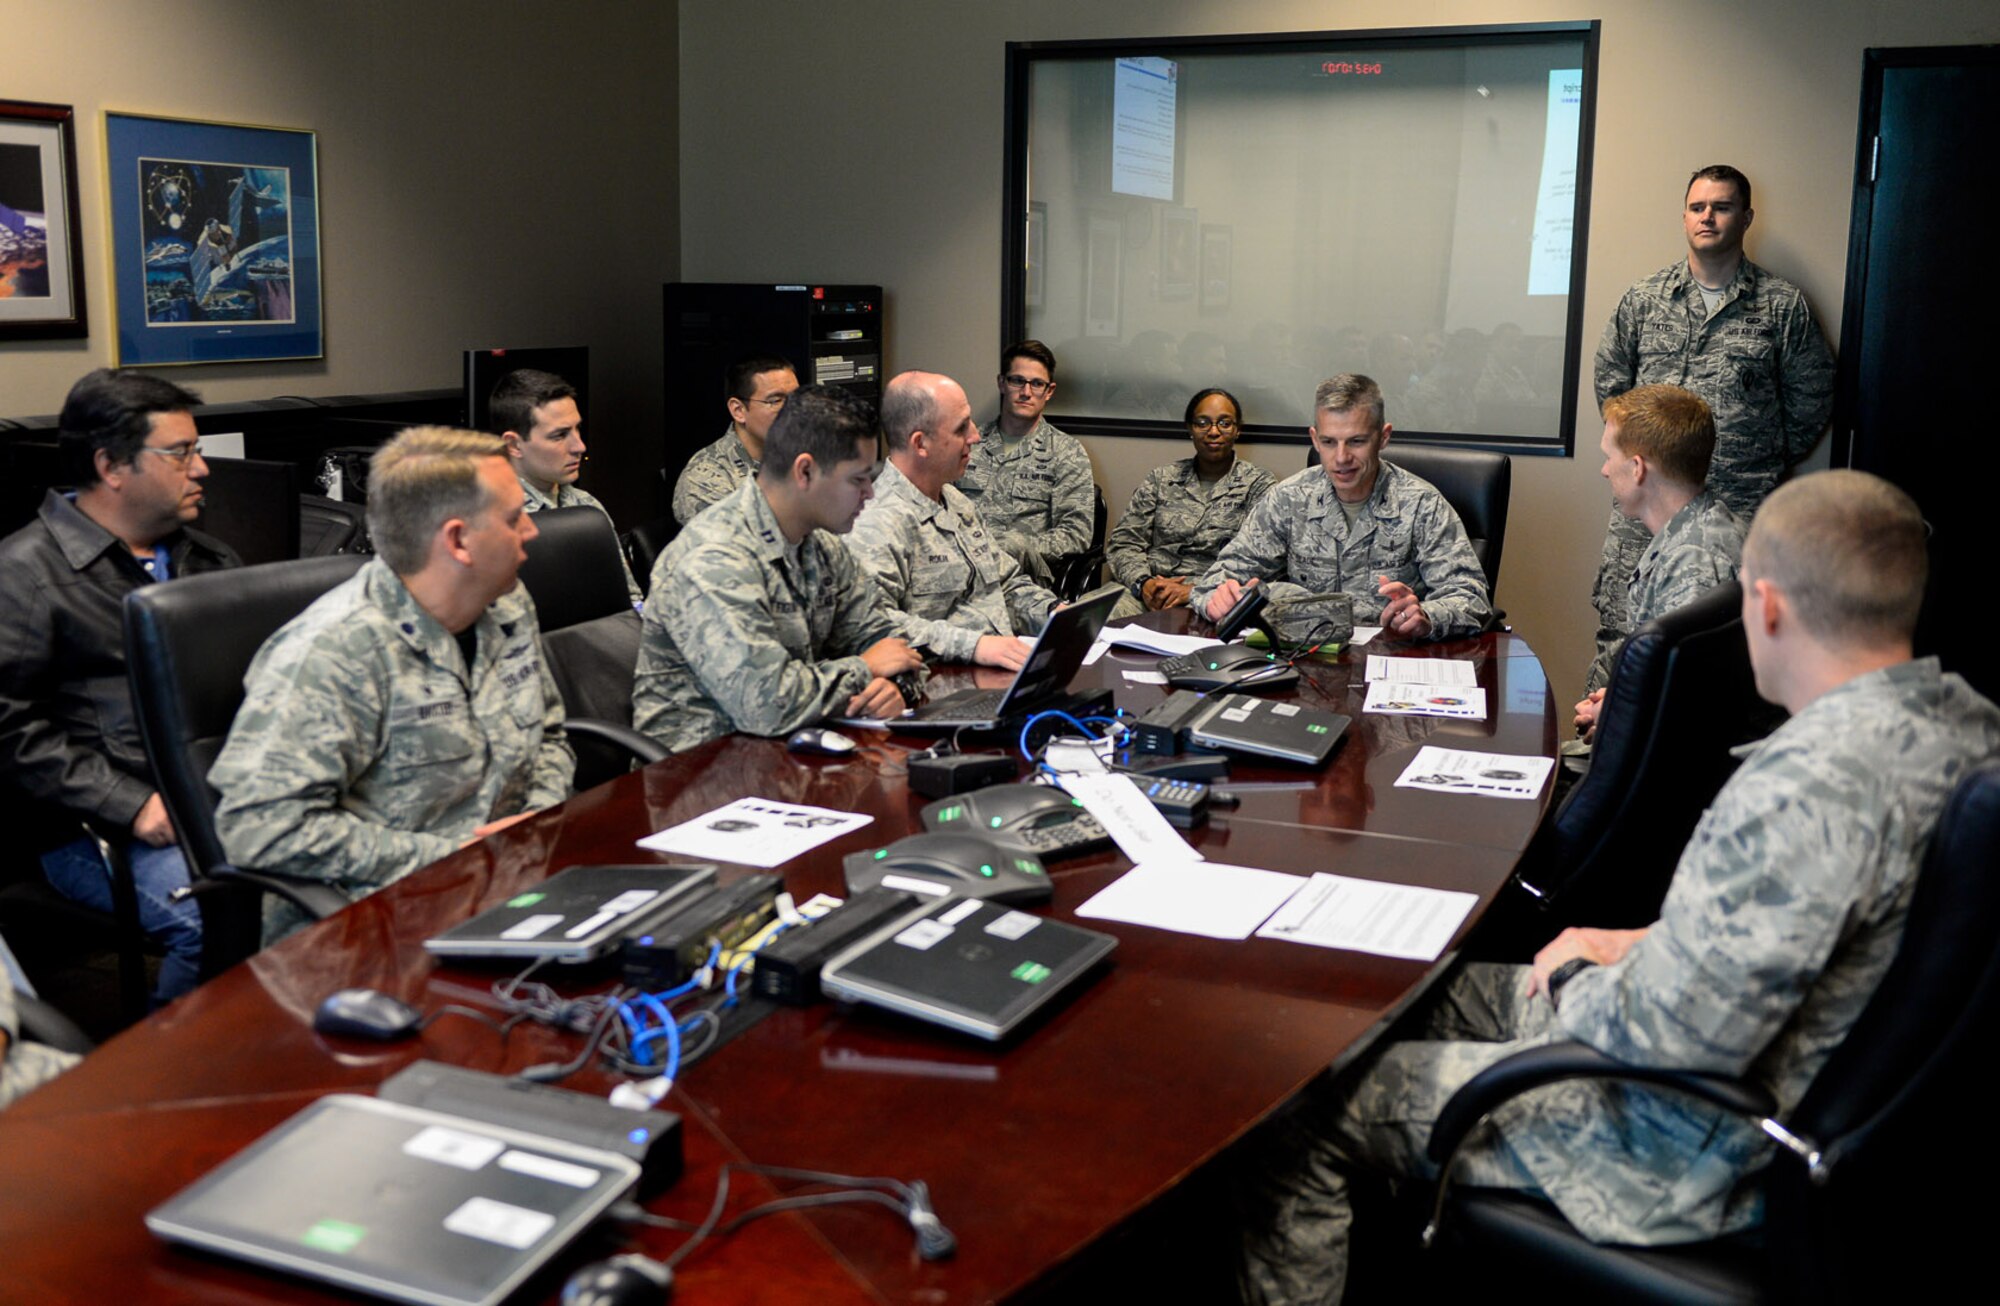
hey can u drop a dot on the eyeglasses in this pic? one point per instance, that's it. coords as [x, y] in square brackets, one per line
[1223, 424]
[180, 453]
[772, 402]
[1034, 385]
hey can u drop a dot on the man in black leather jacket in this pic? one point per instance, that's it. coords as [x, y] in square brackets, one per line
[69, 738]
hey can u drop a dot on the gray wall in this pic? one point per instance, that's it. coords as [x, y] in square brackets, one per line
[490, 174]
[900, 101]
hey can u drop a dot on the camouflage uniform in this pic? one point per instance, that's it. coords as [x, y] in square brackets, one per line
[1697, 550]
[1760, 364]
[24, 1066]
[364, 749]
[747, 632]
[711, 476]
[937, 564]
[1297, 542]
[569, 496]
[1040, 499]
[1782, 918]
[1172, 529]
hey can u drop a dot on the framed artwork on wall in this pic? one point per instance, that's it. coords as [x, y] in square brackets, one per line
[214, 241]
[41, 270]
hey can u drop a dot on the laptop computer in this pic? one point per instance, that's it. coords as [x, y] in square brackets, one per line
[969, 964]
[1290, 732]
[1040, 683]
[577, 915]
[396, 1201]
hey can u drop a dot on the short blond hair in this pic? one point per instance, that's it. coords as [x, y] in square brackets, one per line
[1847, 550]
[1669, 427]
[1346, 392]
[419, 481]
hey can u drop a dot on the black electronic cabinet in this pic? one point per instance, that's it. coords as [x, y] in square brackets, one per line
[831, 335]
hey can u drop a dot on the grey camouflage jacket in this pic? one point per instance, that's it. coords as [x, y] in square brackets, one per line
[744, 632]
[364, 749]
[1297, 542]
[711, 476]
[1758, 361]
[938, 565]
[1698, 549]
[1171, 529]
[1041, 494]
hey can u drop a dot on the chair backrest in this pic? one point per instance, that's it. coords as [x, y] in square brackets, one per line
[1077, 572]
[593, 664]
[1899, 1105]
[644, 544]
[574, 571]
[1682, 694]
[329, 526]
[1477, 483]
[187, 647]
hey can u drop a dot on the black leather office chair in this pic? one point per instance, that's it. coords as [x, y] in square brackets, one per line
[644, 544]
[329, 526]
[590, 636]
[1876, 1194]
[1682, 694]
[575, 570]
[187, 646]
[1077, 572]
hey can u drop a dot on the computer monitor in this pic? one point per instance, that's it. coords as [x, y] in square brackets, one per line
[485, 367]
[253, 507]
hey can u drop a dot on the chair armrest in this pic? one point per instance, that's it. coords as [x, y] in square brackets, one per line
[318, 901]
[1555, 1062]
[42, 1023]
[642, 749]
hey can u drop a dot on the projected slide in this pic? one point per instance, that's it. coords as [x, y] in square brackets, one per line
[1555, 202]
[1142, 130]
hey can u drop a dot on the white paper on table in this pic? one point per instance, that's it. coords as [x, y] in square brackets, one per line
[1394, 698]
[1131, 820]
[1362, 634]
[1423, 671]
[755, 832]
[1219, 902]
[1145, 677]
[1495, 775]
[1145, 640]
[1389, 920]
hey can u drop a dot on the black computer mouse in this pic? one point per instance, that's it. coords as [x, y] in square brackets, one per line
[963, 864]
[824, 743]
[366, 1013]
[621, 1281]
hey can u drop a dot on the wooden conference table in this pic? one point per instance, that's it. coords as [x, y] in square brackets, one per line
[1032, 1150]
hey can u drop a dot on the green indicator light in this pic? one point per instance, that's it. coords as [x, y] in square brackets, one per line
[1215, 666]
[995, 823]
[337, 1236]
[1027, 866]
[1318, 730]
[1076, 802]
[1031, 972]
[526, 899]
[986, 871]
[880, 853]
[951, 813]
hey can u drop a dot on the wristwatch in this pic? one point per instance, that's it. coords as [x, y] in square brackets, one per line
[1564, 973]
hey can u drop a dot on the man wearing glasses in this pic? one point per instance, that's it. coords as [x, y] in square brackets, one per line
[70, 749]
[1030, 482]
[756, 391]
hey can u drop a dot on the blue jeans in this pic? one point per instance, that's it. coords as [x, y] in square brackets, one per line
[77, 872]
